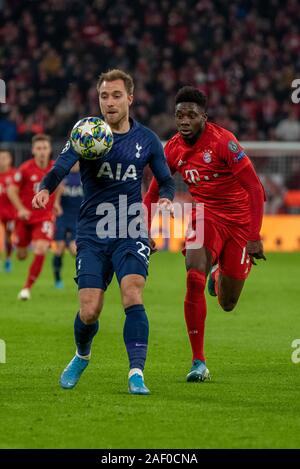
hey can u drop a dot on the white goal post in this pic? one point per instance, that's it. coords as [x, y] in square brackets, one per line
[272, 148]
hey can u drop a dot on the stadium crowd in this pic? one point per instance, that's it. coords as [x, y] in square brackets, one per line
[243, 54]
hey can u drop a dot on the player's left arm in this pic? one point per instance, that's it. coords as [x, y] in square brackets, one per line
[162, 174]
[244, 171]
[162, 186]
[62, 166]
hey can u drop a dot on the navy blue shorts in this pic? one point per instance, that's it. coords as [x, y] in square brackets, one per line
[96, 263]
[65, 229]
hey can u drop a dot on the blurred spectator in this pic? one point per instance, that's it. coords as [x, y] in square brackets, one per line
[289, 129]
[243, 54]
[8, 127]
[274, 188]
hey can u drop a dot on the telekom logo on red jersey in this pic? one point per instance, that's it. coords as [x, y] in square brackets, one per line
[192, 176]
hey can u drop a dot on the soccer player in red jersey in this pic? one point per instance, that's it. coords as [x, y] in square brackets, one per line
[219, 175]
[32, 226]
[7, 210]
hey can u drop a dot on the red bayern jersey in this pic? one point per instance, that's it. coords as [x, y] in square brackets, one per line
[7, 210]
[28, 177]
[209, 168]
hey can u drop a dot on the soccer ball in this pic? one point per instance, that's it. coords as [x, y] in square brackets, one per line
[91, 138]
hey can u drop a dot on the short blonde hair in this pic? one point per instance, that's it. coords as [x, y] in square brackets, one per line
[117, 74]
[40, 138]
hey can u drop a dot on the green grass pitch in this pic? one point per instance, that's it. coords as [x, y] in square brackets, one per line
[251, 402]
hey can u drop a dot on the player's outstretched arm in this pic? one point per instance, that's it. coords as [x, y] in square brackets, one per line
[162, 187]
[41, 199]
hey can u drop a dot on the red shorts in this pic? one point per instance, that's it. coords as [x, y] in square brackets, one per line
[7, 218]
[227, 245]
[25, 232]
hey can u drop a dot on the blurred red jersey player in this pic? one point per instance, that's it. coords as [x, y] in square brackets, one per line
[7, 210]
[33, 227]
[220, 176]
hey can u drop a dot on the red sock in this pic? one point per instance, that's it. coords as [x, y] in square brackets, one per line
[34, 270]
[195, 311]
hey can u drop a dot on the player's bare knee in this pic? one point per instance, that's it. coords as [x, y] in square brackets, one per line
[132, 296]
[91, 303]
[198, 259]
[89, 312]
[132, 290]
[21, 255]
[90, 308]
[40, 248]
[59, 251]
[200, 266]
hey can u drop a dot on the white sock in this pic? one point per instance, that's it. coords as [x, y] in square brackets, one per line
[84, 357]
[135, 371]
[214, 268]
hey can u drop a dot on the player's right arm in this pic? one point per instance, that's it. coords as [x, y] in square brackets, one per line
[13, 193]
[62, 166]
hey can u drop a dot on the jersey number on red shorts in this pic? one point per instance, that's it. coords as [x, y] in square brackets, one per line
[47, 228]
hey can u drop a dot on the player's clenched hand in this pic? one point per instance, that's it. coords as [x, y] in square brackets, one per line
[166, 204]
[41, 199]
[24, 213]
[255, 250]
[152, 244]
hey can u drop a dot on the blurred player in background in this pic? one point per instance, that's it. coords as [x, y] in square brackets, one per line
[67, 204]
[7, 210]
[220, 176]
[32, 227]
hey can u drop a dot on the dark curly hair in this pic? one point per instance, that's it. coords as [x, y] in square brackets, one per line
[189, 94]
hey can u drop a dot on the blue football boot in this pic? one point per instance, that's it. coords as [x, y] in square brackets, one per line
[7, 266]
[136, 385]
[199, 372]
[71, 374]
[59, 284]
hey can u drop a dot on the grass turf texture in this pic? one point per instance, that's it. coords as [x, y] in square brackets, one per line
[252, 401]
